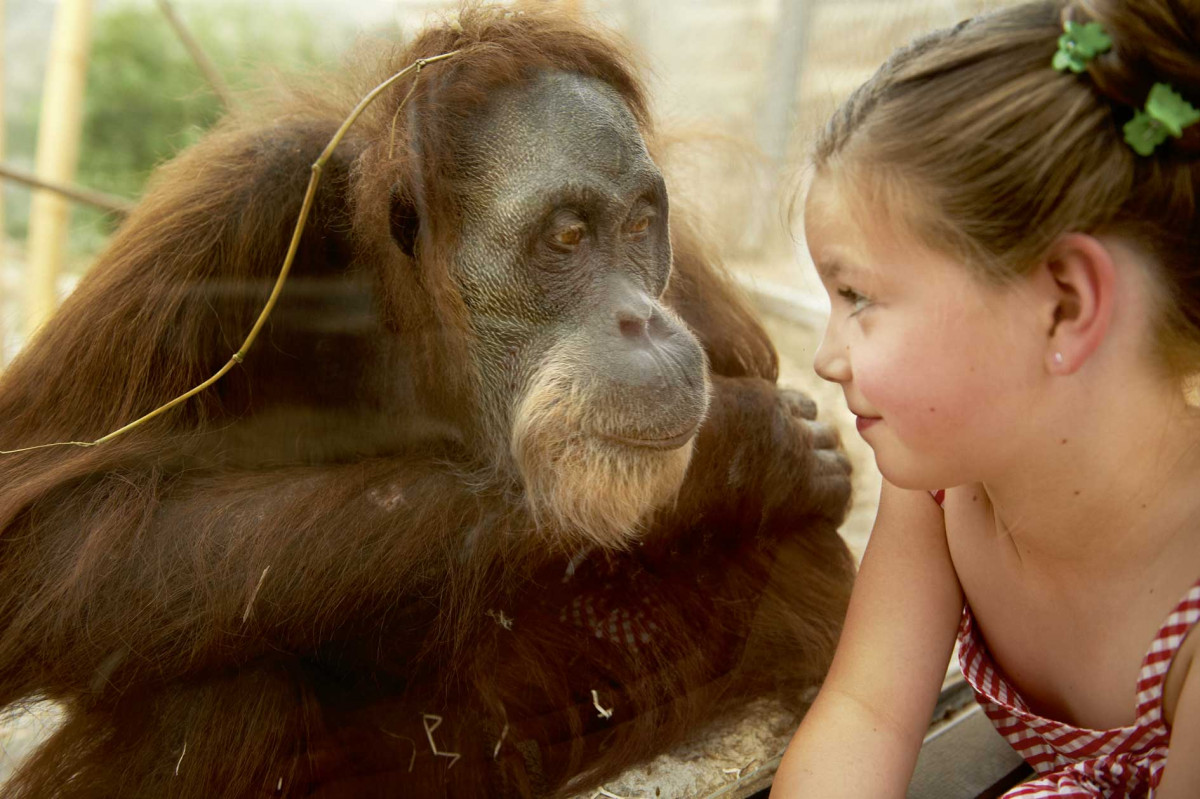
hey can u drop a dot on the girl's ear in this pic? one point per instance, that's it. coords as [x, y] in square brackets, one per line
[1078, 283]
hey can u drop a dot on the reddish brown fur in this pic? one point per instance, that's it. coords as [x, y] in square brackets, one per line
[131, 574]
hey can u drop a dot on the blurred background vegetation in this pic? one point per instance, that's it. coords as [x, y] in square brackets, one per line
[146, 99]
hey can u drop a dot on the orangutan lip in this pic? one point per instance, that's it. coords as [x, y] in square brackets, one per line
[674, 442]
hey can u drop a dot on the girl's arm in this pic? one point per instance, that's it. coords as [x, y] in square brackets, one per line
[1181, 778]
[863, 733]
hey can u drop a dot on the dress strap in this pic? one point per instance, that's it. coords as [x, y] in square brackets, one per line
[1162, 652]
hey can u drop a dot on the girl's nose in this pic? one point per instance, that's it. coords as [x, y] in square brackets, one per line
[832, 361]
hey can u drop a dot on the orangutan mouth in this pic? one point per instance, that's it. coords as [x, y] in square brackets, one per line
[669, 443]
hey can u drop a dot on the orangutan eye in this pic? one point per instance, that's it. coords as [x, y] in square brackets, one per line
[568, 238]
[640, 226]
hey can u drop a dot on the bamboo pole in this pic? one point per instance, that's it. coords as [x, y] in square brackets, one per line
[776, 119]
[3, 236]
[57, 154]
[3, 125]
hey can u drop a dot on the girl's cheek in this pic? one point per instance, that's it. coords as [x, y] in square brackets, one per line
[907, 388]
[879, 374]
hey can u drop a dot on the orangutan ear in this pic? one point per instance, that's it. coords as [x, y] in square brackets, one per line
[405, 221]
[1079, 288]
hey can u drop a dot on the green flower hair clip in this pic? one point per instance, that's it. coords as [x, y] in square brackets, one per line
[1079, 44]
[1166, 114]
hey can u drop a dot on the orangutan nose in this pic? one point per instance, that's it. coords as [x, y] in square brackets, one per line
[639, 319]
[633, 325]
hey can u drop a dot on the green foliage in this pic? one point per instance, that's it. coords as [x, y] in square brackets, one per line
[146, 99]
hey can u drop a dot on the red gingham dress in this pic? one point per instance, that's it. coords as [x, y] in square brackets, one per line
[1074, 762]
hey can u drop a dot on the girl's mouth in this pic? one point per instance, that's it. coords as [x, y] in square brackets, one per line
[863, 422]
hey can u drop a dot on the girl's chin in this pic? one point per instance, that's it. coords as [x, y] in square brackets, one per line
[905, 475]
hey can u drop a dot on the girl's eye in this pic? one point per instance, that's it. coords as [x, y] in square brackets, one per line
[857, 301]
[569, 238]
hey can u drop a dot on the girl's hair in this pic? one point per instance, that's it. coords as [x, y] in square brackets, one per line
[998, 154]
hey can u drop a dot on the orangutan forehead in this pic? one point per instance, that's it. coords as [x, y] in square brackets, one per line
[558, 126]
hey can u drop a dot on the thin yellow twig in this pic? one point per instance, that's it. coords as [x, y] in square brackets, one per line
[399, 108]
[413, 760]
[605, 712]
[499, 743]
[736, 773]
[607, 794]
[426, 718]
[309, 195]
[500, 618]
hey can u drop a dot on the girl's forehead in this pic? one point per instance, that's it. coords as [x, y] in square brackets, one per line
[824, 200]
[842, 235]
[861, 235]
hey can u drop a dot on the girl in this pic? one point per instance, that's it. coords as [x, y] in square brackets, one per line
[1006, 219]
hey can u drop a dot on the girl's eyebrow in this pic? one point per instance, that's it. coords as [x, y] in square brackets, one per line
[829, 268]
[834, 266]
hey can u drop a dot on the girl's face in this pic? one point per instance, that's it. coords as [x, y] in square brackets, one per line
[939, 367]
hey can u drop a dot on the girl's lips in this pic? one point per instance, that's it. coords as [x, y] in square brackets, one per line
[863, 422]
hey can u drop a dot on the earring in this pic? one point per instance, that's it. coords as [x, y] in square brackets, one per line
[1058, 358]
